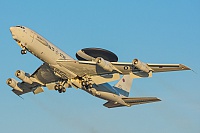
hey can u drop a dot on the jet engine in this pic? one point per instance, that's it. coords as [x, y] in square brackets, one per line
[141, 66]
[23, 76]
[13, 84]
[106, 65]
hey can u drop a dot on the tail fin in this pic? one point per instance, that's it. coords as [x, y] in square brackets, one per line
[124, 85]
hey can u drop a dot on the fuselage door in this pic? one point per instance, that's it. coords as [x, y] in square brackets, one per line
[32, 35]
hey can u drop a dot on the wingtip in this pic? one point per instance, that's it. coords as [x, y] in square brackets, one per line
[159, 99]
[183, 67]
[187, 68]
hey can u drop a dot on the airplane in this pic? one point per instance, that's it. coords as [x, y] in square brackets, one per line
[92, 71]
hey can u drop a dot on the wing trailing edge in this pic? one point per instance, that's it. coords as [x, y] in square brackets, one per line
[167, 67]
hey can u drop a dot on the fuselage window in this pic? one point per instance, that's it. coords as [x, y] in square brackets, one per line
[20, 26]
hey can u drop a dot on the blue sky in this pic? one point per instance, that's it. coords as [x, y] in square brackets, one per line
[154, 31]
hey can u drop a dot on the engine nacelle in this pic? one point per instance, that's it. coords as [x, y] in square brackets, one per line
[13, 84]
[106, 65]
[23, 76]
[141, 66]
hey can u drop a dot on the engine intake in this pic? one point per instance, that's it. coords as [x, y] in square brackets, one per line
[23, 76]
[13, 84]
[106, 65]
[141, 66]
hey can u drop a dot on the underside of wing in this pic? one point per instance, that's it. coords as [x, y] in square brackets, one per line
[82, 68]
[44, 74]
[91, 68]
[26, 88]
[33, 83]
[132, 101]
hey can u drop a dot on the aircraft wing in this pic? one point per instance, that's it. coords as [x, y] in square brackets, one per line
[91, 68]
[35, 88]
[42, 76]
[154, 67]
[132, 101]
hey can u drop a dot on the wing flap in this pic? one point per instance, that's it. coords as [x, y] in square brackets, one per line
[26, 87]
[19, 92]
[168, 67]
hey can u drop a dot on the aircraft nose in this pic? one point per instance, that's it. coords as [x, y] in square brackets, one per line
[12, 30]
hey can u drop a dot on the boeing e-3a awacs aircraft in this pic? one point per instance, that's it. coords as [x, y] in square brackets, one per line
[91, 72]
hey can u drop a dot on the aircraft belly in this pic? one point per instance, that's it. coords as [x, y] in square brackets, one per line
[104, 95]
[111, 97]
[105, 88]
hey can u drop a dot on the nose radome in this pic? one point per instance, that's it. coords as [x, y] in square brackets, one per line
[11, 29]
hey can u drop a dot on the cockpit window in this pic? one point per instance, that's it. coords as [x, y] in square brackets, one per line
[20, 26]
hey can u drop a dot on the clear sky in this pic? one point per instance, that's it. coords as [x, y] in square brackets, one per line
[154, 31]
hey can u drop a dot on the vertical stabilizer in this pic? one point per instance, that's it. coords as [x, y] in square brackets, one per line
[124, 85]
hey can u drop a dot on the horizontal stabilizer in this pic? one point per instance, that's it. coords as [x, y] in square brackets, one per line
[132, 101]
[140, 100]
[111, 104]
